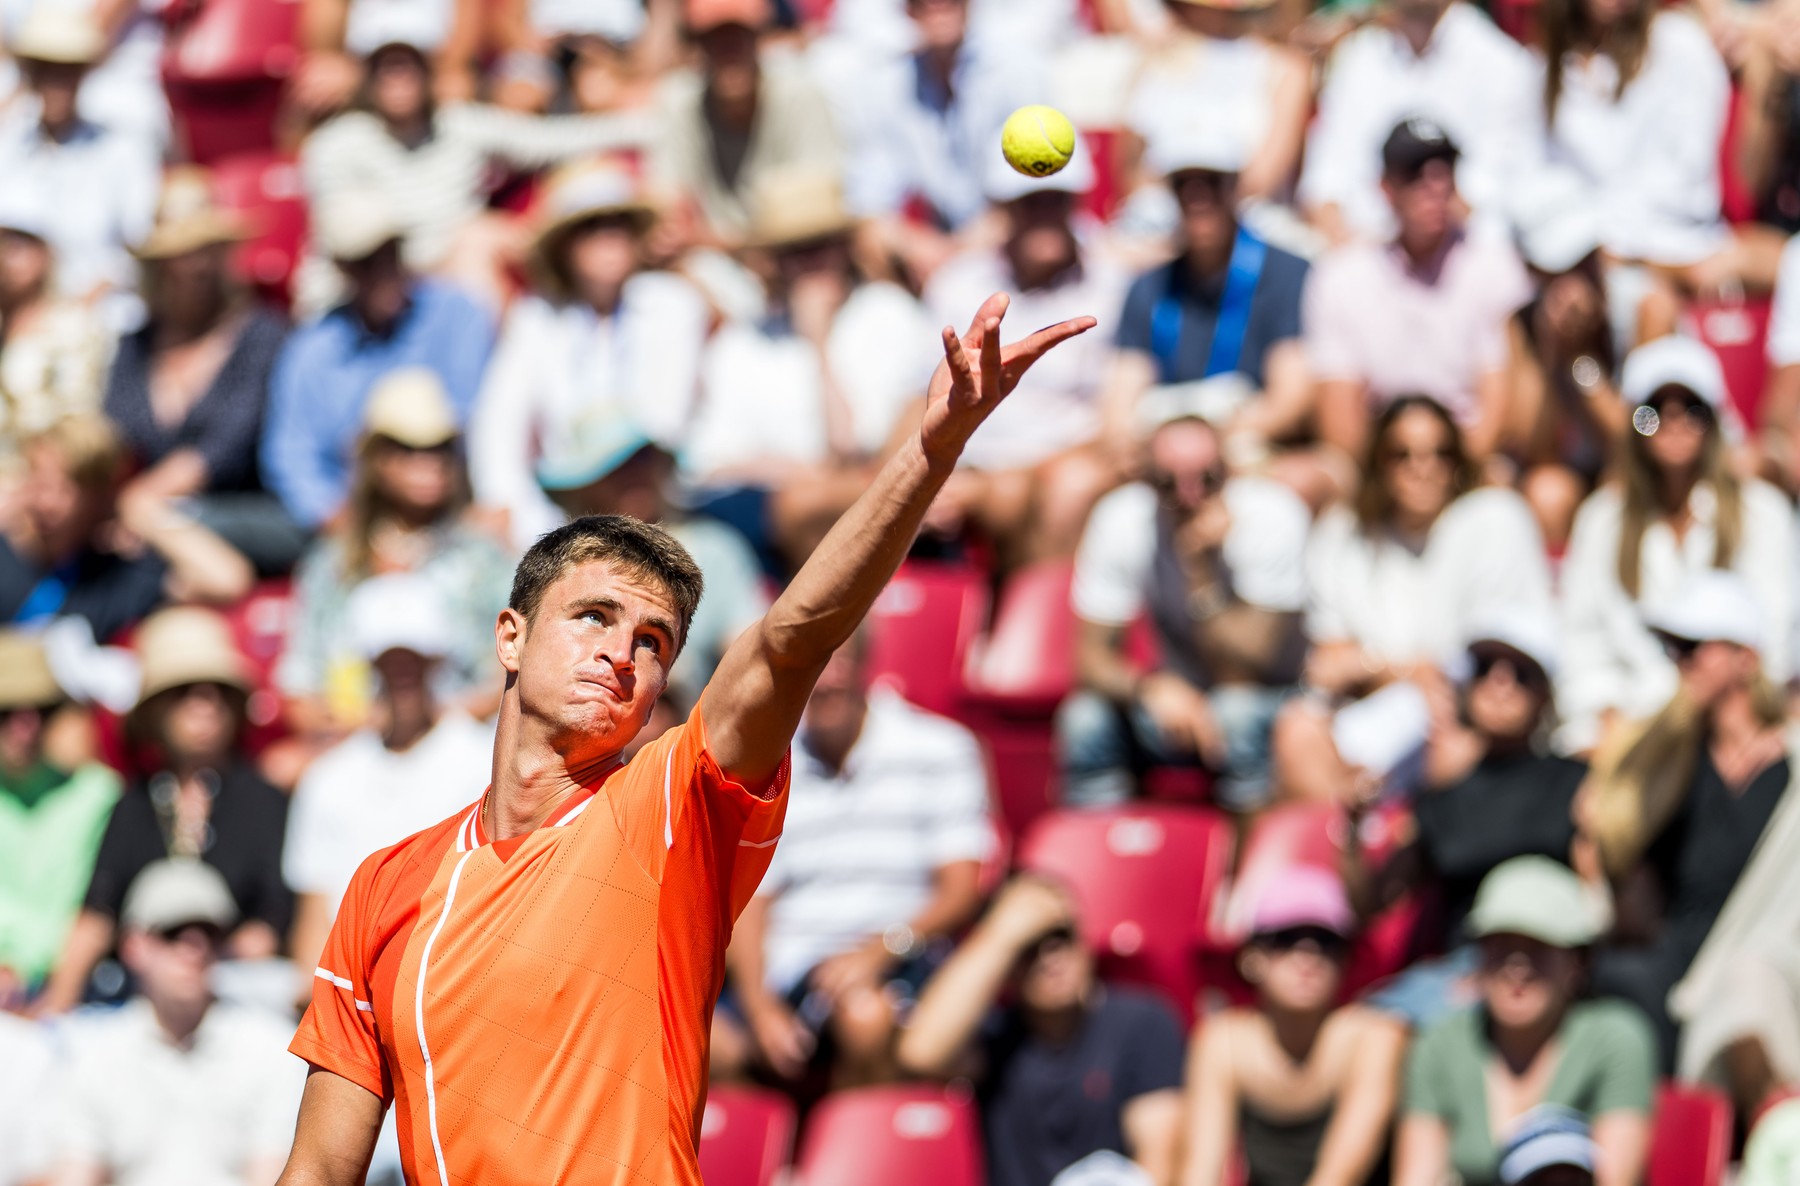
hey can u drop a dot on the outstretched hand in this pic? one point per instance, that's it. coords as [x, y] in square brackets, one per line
[977, 373]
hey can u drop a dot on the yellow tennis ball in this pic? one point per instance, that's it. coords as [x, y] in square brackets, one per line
[1037, 140]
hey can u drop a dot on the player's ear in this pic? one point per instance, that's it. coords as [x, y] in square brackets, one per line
[509, 638]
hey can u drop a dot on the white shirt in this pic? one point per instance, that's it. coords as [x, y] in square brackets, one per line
[153, 1114]
[619, 21]
[1195, 79]
[1649, 159]
[762, 396]
[1784, 318]
[882, 25]
[1057, 405]
[556, 363]
[1482, 555]
[24, 1102]
[1265, 550]
[1472, 79]
[360, 796]
[1611, 660]
[859, 849]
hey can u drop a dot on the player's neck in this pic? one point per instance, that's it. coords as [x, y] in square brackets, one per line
[532, 779]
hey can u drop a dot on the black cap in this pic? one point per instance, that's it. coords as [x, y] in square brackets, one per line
[1412, 145]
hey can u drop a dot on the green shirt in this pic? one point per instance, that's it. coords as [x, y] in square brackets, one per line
[1607, 1063]
[50, 827]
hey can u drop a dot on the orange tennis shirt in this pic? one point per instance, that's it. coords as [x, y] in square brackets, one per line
[537, 1010]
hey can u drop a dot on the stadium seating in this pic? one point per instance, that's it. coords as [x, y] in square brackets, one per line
[265, 187]
[746, 1136]
[1146, 878]
[225, 65]
[922, 627]
[1026, 662]
[1737, 329]
[892, 1136]
[1691, 1139]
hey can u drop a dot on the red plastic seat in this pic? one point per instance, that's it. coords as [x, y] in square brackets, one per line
[1026, 663]
[922, 627]
[1146, 878]
[1024, 766]
[1690, 1141]
[1738, 332]
[746, 1136]
[225, 65]
[266, 187]
[891, 1136]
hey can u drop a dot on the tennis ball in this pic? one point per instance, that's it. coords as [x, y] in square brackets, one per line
[1037, 141]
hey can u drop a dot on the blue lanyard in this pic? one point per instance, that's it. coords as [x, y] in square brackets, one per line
[47, 597]
[1248, 254]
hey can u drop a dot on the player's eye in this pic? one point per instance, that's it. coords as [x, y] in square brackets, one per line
[593, 615]
[651, 641]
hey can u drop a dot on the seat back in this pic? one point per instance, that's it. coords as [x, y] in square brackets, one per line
[1026, 663]
[891, 1136]
[922, 626]
[1690, 1141]
[225, 66]
[1738, 332]
[1145, 877]
[266, 188]
[746, 1136]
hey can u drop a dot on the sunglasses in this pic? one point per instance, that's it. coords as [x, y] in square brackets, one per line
[1524, 672]
[1051, 942]
[1168, 485]
[1400, 455]
[1650, 416]
[1679, 650]
[1326, 943]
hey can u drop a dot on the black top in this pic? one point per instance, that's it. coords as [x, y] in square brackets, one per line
[1505, 808]
[1046, 1107]
[225, 423]
[110, 591]
[249, 822]
[1274, 314]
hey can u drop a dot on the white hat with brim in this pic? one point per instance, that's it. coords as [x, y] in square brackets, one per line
[1199, 145]
[178, 892]
[1004, 183]
[1713, 605]
[59, 33]
[352, 226]
[398, 612]
[595, 446]
[1673, 361]
[1532, 634]
[1536, 898]
[591, 191]
[410, 405]
[187, 645]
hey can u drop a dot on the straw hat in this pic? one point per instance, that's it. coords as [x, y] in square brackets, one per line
[25, 677]
[799, 205]
[593, 189]
[699, 16]
[354, 225]
[410, 406]
[60, 33]
[187, 645]
[188, 219]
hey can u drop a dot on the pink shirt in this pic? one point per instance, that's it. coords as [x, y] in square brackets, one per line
[1369, 318]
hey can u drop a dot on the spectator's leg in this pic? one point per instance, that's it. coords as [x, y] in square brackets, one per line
[1093, 738]
[1246, 714]
[1554, 492]
[1305, 761]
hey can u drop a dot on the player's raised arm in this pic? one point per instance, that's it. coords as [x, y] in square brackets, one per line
[753, 704]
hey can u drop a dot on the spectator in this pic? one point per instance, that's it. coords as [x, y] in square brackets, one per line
[53, 351]
[1566, 415]
[1780, 412]
[1678, 805]
[1425, 313]
[51, 820]
[1227, 305]
[1492, 792]
[202, 799]
[418, 762]
[791, 411]
[1396, 582]
[1217, 565]
[323, 378]
[607, 465]
[603, 334]
[100, 185]
[1302, 1089]
[430, 163]
[922, 126]
[745, 114]
[1550, 1146]
[79, 549]
[407, 513]
[1530, 1041]
[878, 870]
[563, 54]
[1676, 509]
[24, 1108]
[1437, 59]
[1034, 470]
[1767, 139]
[176, 1086]
[1219, 58]
[187, 390]
[1070, 1067]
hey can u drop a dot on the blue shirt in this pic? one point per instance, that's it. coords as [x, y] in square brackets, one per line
[323, 379]
[1274, 315]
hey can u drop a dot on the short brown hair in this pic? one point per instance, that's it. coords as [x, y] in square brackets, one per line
[92, 455]
[639, 549]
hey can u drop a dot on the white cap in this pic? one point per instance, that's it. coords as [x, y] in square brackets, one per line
[1004, 183]
[1530, 632]
[1559, 224]
[176, 892]
[354, 225]
[399, 611]
[1209, 144]
[1713, 605]
[1673, 361]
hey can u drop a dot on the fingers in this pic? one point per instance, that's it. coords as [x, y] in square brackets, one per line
[1020, 355]
[992, 309]
[990, 361]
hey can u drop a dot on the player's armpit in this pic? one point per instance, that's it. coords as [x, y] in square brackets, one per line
[335, 1137]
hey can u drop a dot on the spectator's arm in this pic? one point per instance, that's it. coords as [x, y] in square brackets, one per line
[1421, 1151]
[1212, 1105]
[1623, 1141]
[90, 938]
[1285, 407]
[202, 567]
[527, 141]
[1277, 160]
[1763, 116]
[335, 1136]
[1364, 1116]
[1152, 1126]
[1101, 666]
[293, 447]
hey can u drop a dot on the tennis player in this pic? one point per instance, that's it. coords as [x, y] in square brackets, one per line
[530, 983]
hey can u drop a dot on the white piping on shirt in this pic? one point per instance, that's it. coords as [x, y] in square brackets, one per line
[437, 1145]
[322, 974]
[668, 809]
[769, 843]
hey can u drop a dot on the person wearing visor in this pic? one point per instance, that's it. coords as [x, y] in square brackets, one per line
[1530, 1039]
[1073, 1069]
[1677, 507]
[1300, 1086]
[1550, 1146]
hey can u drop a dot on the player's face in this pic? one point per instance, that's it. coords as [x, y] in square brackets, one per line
[595, 658]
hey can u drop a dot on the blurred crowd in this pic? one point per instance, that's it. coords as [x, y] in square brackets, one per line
[1422, 515]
